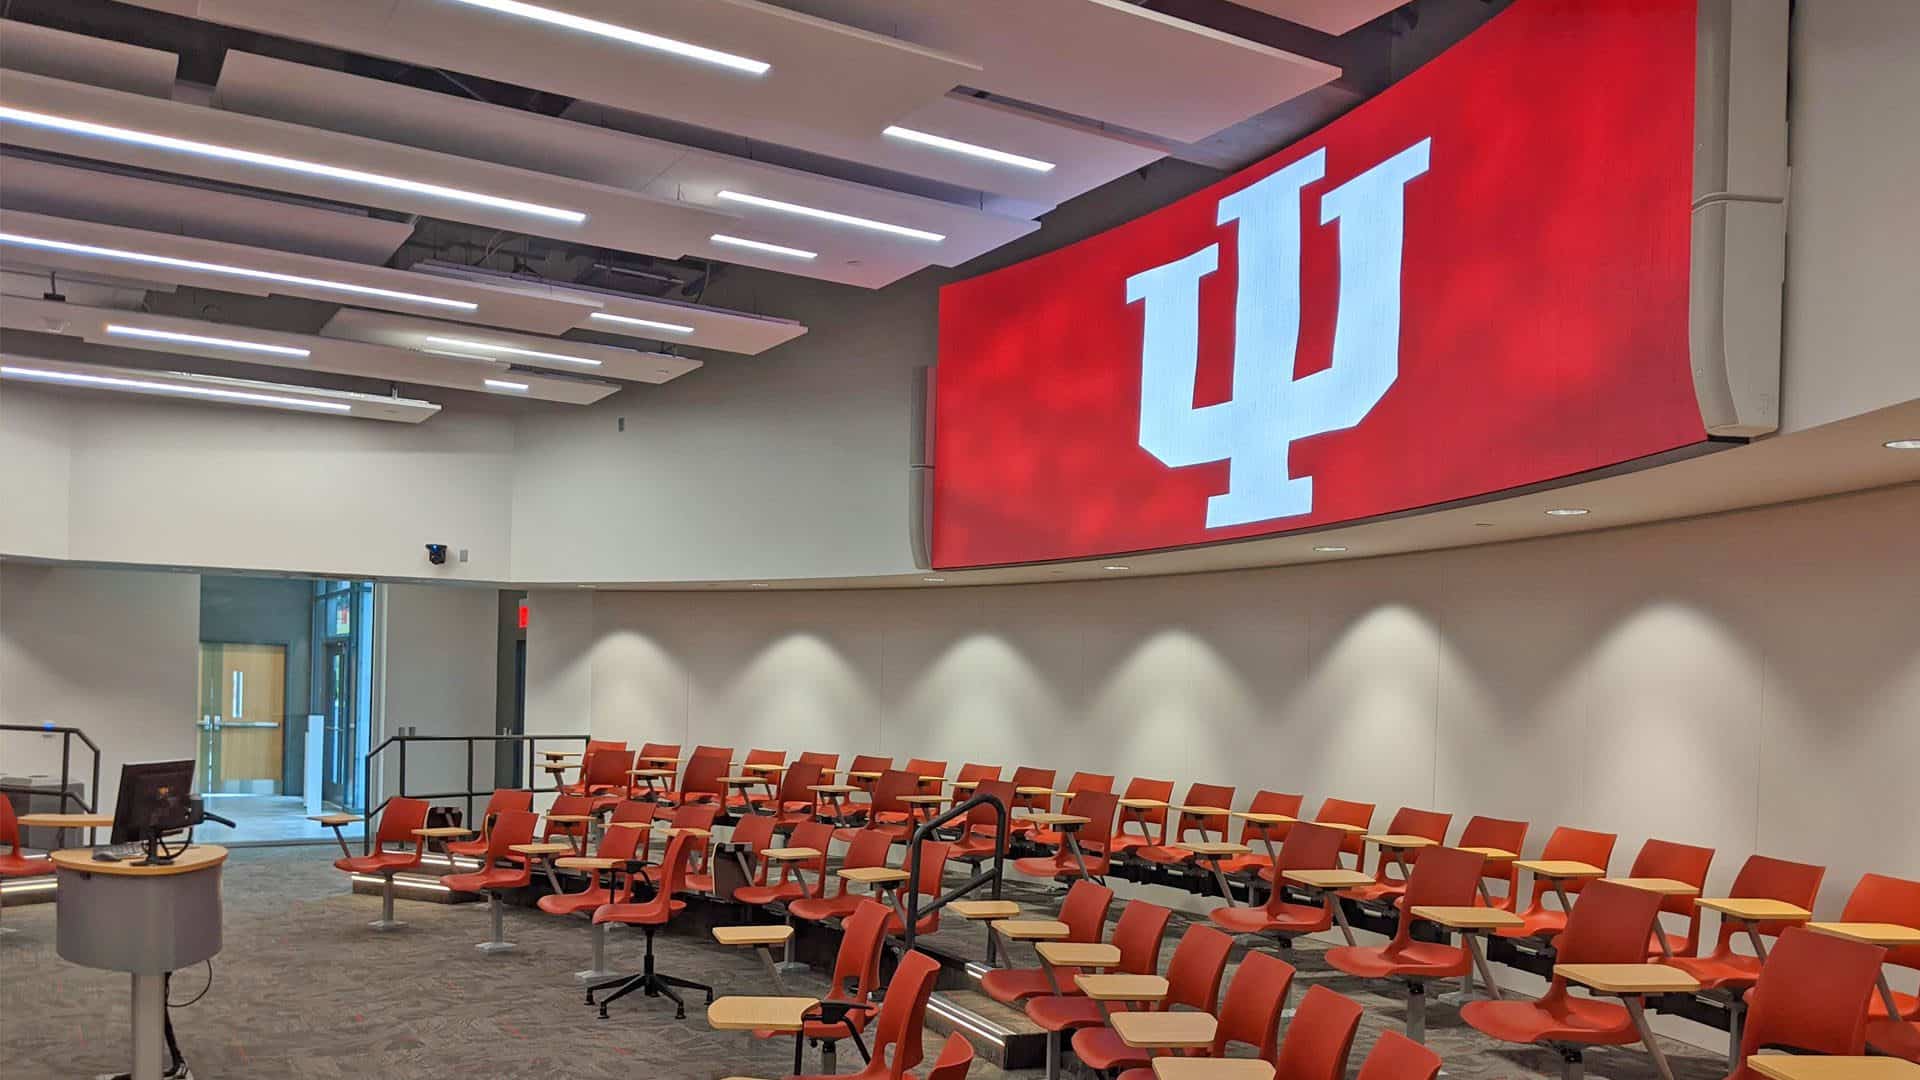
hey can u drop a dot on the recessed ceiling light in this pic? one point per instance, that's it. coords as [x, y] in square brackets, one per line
[1902, 444]
[761, 245]
[1116, 567]
[144, 258]
[933, 580]
[1568, 511]
[645, 324]
[502, 384]
[145, 386]
[624, 34]
[988, 153]
[202, 339]
[287, 164]
[1329, 548]
[510, 350]
[831, 215]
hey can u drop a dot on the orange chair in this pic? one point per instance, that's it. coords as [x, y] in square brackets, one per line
[1193, 980]
[1677, 862]
[919, 769]
[1883, 899]
[1211, 827]
[869, 847]
[901, 1021]
[603, 887]
[1319, 1038]
[747, 798]
[955, 1060]
[1094, 839]
[654, 755]
[650, 915]
[1347, 812]
[1081, 784]
[1251, 1013]
[15, 865]
[608, 778]
[1034, 777]
[884, 812]
[594, 747]
[973, 772]
[1396, 1057]
[794, 801]
[1085, 912]
[1444, 877]
[1811, 997]
[1498, 834]
[1895, 1038]
[500, 870]
[1387, 887]
[792, 884]
[865, 763]
[574, 832]
[1148, 818]
[827, 762]
[933, 866]
[1609, 925]
[501, 799]
[1138, 935]
[1257, 836]
[1566, 844]
[846, 1008]
[699, 783]
[1764, 878]
[980, 829]
[1308, 847]
[397, 822]
[755, 831]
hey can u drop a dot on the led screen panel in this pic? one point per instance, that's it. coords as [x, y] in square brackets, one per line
[1476, 281]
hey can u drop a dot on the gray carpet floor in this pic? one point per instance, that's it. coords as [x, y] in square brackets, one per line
[304, 990]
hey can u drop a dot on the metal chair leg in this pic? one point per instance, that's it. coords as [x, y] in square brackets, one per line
[496, 907]
[1417, 1011]
[386, 920]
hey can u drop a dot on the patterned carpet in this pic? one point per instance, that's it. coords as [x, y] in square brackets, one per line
[304, 990]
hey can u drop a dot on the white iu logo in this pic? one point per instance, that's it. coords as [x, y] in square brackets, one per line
[1270, 408]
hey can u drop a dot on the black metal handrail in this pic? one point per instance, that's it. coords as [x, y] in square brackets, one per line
[980, 879]
[91, 803]
[366, 839]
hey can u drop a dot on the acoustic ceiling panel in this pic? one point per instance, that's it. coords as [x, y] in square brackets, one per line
[1326, 16]
[669, 172]
[479, 343]
[58, 54]
[213, 389]
[42, 187]
[1108, 60]
[300, 352]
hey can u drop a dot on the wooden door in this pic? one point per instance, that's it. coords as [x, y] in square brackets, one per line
[244, 702]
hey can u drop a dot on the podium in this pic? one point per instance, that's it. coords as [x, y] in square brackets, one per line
[144, 920]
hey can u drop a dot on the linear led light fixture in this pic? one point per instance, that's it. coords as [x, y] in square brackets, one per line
[502, 384]
[647, 324]
[209, 342]
[831, 215]
[287, 164]
[93, 251]
[985, 153]
[623, 34]
[490, 347]
[762, 245]
[145, 386]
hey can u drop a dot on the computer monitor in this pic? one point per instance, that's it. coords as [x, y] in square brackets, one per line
[154, 800]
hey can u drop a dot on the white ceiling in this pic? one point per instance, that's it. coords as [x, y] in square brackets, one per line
[432, 336]
[213, 389]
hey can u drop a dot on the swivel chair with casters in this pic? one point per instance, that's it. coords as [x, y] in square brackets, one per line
[650, 915]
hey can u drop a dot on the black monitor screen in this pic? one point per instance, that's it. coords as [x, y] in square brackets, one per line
[153, 799]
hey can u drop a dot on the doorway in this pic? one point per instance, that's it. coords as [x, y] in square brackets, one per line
[243, 714]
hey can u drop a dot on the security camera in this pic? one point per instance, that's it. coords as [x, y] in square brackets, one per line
[437, 554]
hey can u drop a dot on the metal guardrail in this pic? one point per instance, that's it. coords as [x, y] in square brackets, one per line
[402, 741]
[91, 803]
[981, 879]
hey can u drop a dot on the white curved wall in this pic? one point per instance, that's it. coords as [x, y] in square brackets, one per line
[1749, 682]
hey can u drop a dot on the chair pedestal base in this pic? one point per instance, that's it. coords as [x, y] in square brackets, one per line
[386, 921]
[650, 983]
[598, 972]
[498, 942]
[1417, 1011]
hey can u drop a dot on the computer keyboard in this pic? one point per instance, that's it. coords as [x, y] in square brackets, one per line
[117, 853]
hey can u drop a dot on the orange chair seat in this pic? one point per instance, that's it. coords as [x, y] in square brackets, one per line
[1291, 919]
[1129, 842]
[1895, 1038]
[642, 914]
[1415, 960]
[482, 880]
[769, 894]
[1575, 1020]
[1734, 972]
[469, 849]
[1100, 1049]
[17, 866]
[1378, 893]
[815, 1029]
[377, 862]
[1167, 856]
[822, 908]
[1909, 1006]
[575, 903]
[1536, 924]
[1065, 1013]
[1010, 985]
[1045, 866]
[1251, 862]
[897, 832]
[970, 847]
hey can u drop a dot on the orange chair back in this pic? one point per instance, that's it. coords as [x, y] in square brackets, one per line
[1574, 845]
[620, 844]
[766, 757]
[607, 769]
[825, 761]
[1307, 847]
[1812, 995]
[1033, 776]
[1681, 862]
[1346, 812]
[1097, 834]
[565, 806]
[1492, 832]
[920, 767]
[1138, 935]
[817, 835]
[724, 753]
[856, 967]
[796, 781]
[870, 763]
[1194, 974]
[972, 771]
[894, 785]
[1396, 1057]
[631, 810]
[10, 825]
[1880, 898]
[1444, 877]
[1210, 826]
[1764, 877]
[1085, 911]
[1319, 1038]
[1084, 782]
[955, 1060]
[512, 827]
[1143, 788]
[1271, 802]
[983, 819]
[702, 777]
[397, 821]
[1254, 1003]
[903, 1014]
